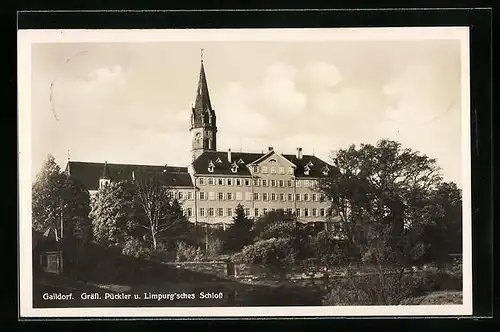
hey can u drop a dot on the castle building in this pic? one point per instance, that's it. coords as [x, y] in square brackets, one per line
[215, 182]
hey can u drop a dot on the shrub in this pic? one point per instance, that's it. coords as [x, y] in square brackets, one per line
[136, 248]
[188, 253]
[214, 248]
[328, 250]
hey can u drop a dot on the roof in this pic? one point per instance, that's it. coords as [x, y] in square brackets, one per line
[202, 112]
[88, 173]
[223, 167]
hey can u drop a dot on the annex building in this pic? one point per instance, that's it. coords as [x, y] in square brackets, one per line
[215, 182]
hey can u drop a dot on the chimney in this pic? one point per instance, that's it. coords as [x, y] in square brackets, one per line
[229, 155]
[299, 153]
[270, 148]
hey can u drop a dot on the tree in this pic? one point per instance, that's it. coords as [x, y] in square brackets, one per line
[444, 236]
[382, 196]
[61, 204]
[115, 215]
[162, 214]
[240, 233]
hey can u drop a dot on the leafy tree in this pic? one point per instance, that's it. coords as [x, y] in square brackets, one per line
[61, 204]
[328, 249]
[115, 215]
[240, 232]
[279, 216]
[444, 236]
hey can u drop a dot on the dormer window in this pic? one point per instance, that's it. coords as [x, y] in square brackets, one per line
[211, 167]
[241, 161]
[272, 160]
[325, 170]
[310, 164]
[218, 161]
[234, 168]
[306, 170]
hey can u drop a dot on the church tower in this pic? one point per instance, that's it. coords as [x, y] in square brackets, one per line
[203, 121]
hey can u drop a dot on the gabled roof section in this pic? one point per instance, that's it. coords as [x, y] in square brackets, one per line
[269, 154]
[88, 173]
[200, 165]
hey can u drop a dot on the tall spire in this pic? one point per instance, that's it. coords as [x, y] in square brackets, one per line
[202, 101]
[105, 171]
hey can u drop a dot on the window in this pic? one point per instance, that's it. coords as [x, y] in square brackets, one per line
[203, 195]
[289, 183]
[256, 182]
[273, 196]
[322, 212]
[256, 212]
[248, 196]
[290, 170]
[202, 212]
[211, 168]
[220, 212]
[230, 196]
[315, 212]
[273, 209]
[306, 183]
[321, 197]
[229, 182]
[264, 183]
[239, 196]
[211, 181]
[289, 211]
[282, 197]
[297, 212]
[220, 182]
[306, 212]
[298, 184]
[238, 182]
[247, 211]
[234, 168]
[221, 196]
[272, 183]
[256, 196]
[297, 197]
[265, 196]
[180, 194]
[211, 196]
[273, 170]
[314, 197]
[325, 170]
[264, 169]
[190, 195]
[189, 212]
[211, 212]
[201, 181]
[256, 169]
[247, 182]
[282, 183]
[218, 161]
[290, 197]
[282, 170]
[306, 197]
[229, 212]
[241, 161]
[306, 170]
[264, 210]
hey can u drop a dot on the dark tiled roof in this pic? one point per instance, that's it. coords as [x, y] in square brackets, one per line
[88, 173]
[224, 167]
[202, 113]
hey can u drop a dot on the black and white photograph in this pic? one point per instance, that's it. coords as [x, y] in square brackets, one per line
[244, 173]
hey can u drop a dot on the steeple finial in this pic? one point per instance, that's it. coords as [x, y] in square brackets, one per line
[201, 54]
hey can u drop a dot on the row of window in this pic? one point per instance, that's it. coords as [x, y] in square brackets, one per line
[238, 196]
[256, 182]
[211, 196]
[228, 212]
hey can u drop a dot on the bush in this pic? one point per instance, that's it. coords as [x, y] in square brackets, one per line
[136, 248]
[214, 248]
[274, 253]
[328, 250]
[188, 253]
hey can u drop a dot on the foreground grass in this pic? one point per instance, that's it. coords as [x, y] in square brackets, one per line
[436, 298]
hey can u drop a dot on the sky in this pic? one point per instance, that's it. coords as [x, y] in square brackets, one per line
[129, 102]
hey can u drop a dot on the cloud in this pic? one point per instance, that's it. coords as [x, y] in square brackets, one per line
[320, 75]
